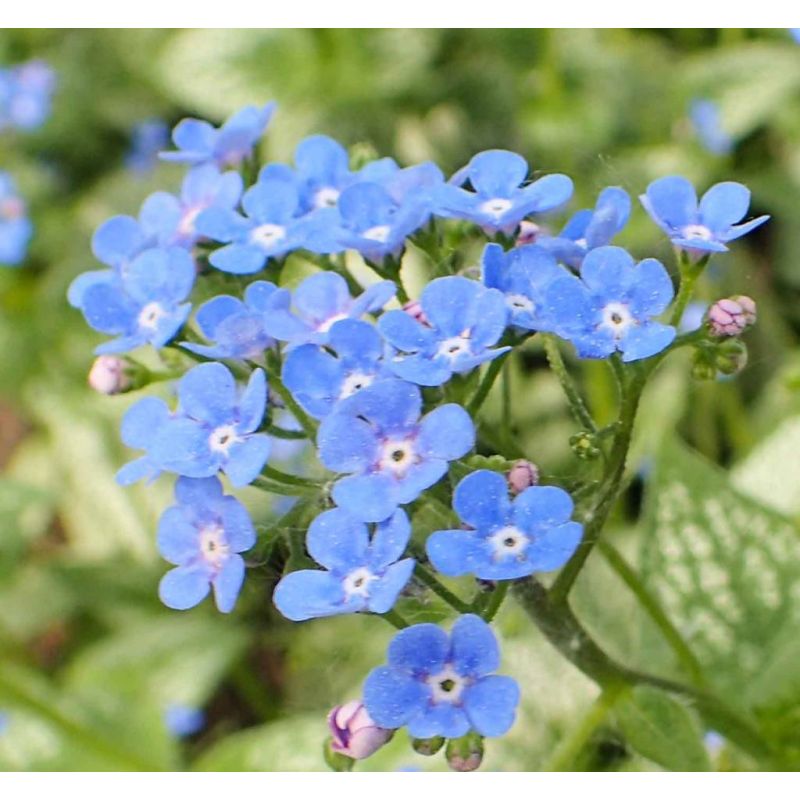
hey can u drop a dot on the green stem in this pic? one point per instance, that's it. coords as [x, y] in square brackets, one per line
[306, 423]
[576, 404]
[495, 601]
[284, 433]
[393, 618]
[560, 626]
[670, 633]
[486, 384]
[430, 580]
[690, 271]
[290, 490]
[290, 480]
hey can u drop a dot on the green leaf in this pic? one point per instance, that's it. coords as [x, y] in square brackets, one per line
[723, 567]
[662, 729]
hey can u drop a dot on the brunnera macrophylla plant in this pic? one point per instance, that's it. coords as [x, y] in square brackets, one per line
[389, 390]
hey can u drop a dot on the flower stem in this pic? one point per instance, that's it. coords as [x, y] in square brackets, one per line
[393, 618]
[306, 423]
[495, 601]
[290, 480]
[486, 384]
[576, 404]
[690, 271]
[431, 581]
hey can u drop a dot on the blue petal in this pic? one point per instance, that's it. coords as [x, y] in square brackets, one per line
[389, 541]
[78, 287]
[366, 205]
[183, 588]
[272, 202]
[246, 459]
[311, 593]
[215, 311]
[117, 240]
[421, 649]
[391, 406]
[491, 322]
[453, 553]
[194, 134]
[404, 332]
[142, 420]
[442, 719]
[383, 593]
[322, 159]
[450, 303]
[652, 292]
[496, 173]
[238, 526]
[540, 506]
[481, 499]
[222, 225]
[446, 432]
[356, 342]
[417, 479]
[208, 393]
[493, 266]
[262, 296]
[238, 259]
[199, 492]
[736, 231]
[338, 541]
[474, 649]
[608, 272]
[553, 548]
[646, 340]
[160, 215]
[421, 369]
[182, 447]
[107, 309]
[367, 497]
[671, 202]
[491, 704]
[545, 194]
[346, 444]
[392, 697]
[253, 402]
[178, 538]
[322, 296]
[314, 377]
[723, 205]
[228, 583]
[373, 298]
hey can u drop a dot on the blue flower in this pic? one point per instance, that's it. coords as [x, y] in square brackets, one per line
[148, 137]
[508, 539]
[497, 202]
[182, 720]
[236, 327]
[588, 229]
[25, 95]
[611, 307]
[319, 380]
[320, 301]
[15, 227]
[5, 720]
[440, 685]
[707, 121]
[703, 228]
[390, 454]
[172, 220]
[795, 34]
[215, 428]
[199, 142]
[270, 230]
[464, 319]
[203, 535]
[522, 275]
[361, 573]
[142, 306]
[140, 430]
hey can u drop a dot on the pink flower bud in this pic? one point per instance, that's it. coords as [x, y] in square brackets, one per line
[414, 309]
[731, 315]
[522, 476]
[353, 732]
[108, 375]
[528, 232]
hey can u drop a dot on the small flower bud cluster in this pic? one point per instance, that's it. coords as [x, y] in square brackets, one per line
[731, 316]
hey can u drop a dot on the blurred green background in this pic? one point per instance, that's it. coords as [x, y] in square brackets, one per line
[90, 660]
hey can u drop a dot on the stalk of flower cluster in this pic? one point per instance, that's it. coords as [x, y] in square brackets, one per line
[690, 271]
[576, 404]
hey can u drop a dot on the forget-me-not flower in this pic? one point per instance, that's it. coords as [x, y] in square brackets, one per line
[464, 320]
[700, 228]
[611, 307]
[507, 538]
[319, 379]
[182, 720]
[203, 535]
[25, 95]
[498, 201]
[706, 119]
[15, 227]
[361, 573]
[590, 228]
[320, 301]
[147, 138]
[140, 430]
[522, 275]
[199, 142]
[440, 685]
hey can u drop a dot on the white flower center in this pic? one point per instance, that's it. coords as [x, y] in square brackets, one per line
[354, 382]
[150, 315]
[518, 302]
[447, 685]
[508, 541]
[222, 438]
[454, 346]
[380, 233]
[267, 235]
[357, 582]
[327, 197]
[186, 225]
[214, 546]
[325, 326]
[617, 318]
[497, 206]
[397, 456]
[697, 232]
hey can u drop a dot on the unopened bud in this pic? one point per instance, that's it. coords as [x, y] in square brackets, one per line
[522, 475]
[414, 309]
[583, 445]
[109, 375]
[731, 357]
[428, 747]
[465, 754]
[353, 733]
[528, 232]
[731, 315]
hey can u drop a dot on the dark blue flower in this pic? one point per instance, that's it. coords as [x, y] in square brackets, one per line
[319, 302]
[270, 230]
[498, 202]
[463, 320]
[172, 220]
[319, 379]
[143, 305]
[508, 539]
[707, 122]
[361, 573]
[215, 428]
[390, 454]
[522, 275]
[15, 227]
[25, 95]
[182, 720]
[588, 229]
[147, 138]
[236, 327]
[199, 142]
[612, 305]
[203, 535]
[703, 228]
[440, 685]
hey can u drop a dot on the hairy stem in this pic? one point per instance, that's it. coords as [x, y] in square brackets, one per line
[576, 404]
[485, 386]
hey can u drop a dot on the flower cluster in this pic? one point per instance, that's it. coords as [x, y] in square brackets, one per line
[15, 227]
[25, 95]
[387, 388]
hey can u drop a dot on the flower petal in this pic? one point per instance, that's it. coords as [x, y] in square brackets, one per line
[447, 432]
[392, 697]
[491, 704]
[338, 541]
[474, 651]
[183, 588]
[481, 499]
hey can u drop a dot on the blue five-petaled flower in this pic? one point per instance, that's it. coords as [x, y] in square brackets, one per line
[507, 539]
[203, 536]
[360, 573]
[440, 685]
[390, 454]
[15, 227]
